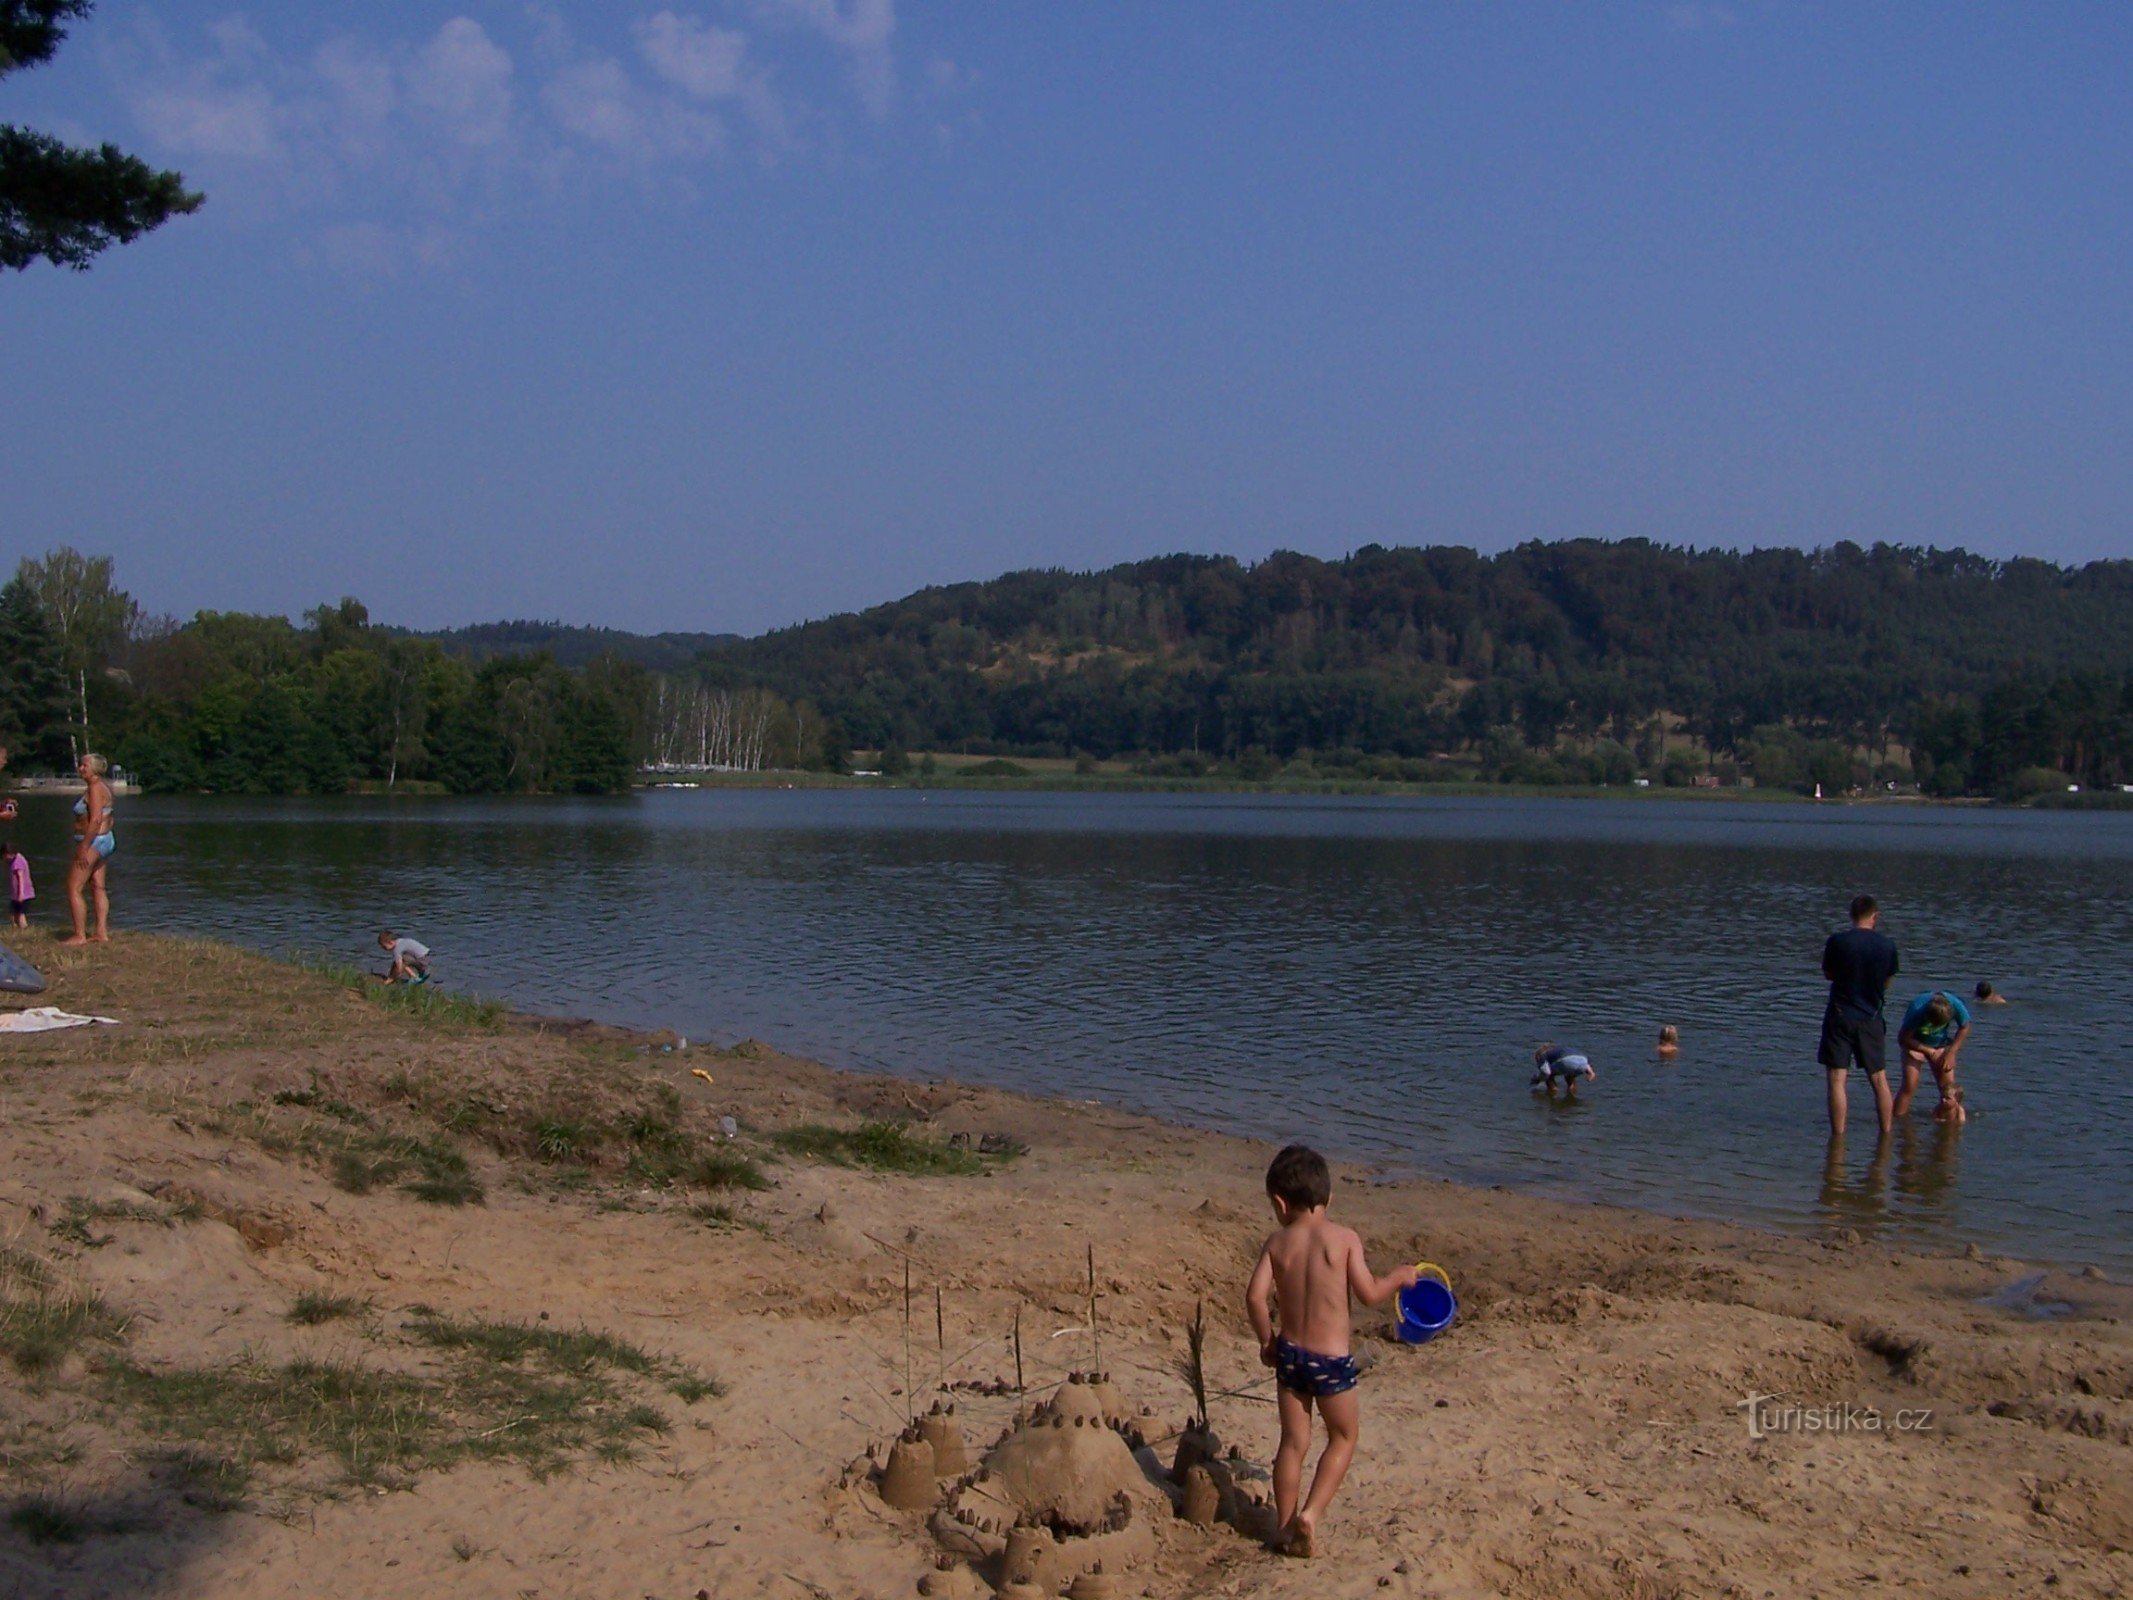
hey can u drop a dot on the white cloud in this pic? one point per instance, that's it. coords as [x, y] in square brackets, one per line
[601, 104]
[390, 150]
[695, 57]
[211, 119]
[862, 29]
[462, 77]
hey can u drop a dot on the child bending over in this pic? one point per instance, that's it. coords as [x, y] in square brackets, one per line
[1313, 1267]
[1557, 1068]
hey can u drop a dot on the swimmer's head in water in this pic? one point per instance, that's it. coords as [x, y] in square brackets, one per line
[1299, 1178]
[1984, 989]
[1670, 1034]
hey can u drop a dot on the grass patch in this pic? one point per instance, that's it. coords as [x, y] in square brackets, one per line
[505, 1391]
[694, 1387]
[878, 1147]
[43, 1317]
[43, 1519]
[700, 1169]
[560, 1139]
[361, 1160]
[423, 1000]
[76, 1227]
[313, 1099]
[575, 1350]
[311, 1308]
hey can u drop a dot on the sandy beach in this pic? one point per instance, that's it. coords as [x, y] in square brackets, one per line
[309, 1294]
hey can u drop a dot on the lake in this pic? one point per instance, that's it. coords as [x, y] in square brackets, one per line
[1370, 975]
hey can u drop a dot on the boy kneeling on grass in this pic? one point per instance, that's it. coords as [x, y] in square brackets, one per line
[1312, 1266]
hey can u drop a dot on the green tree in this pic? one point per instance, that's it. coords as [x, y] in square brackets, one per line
[596, 743]
[33, 684]
[58, 203]
[402, 706]
[88, 613]
[468, 755]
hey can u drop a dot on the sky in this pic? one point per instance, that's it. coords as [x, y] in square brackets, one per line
[723, 314]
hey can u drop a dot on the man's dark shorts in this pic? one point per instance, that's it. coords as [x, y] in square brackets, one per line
[1861, 1042]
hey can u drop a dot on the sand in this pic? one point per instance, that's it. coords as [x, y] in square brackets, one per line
[1578, 1432]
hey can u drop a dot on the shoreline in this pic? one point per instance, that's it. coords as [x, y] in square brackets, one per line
[221, 1167]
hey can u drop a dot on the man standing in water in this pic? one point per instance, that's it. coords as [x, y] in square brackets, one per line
[1858, 962]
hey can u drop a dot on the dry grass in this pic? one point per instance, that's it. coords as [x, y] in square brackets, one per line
[879, 1147]
[311, 1308]
[45, 1316]
[543, 1398]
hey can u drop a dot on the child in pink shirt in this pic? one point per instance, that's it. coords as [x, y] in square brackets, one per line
[20, 891]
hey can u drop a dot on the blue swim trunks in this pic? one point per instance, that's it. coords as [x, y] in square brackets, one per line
[1302, 1371]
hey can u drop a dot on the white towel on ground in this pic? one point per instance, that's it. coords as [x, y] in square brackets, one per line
[42, 1019]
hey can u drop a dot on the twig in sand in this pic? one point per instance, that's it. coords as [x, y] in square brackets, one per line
[1096, 1339]
[1019, 1389]
[940, 1340]
[910, 1400]
[1196, 1360]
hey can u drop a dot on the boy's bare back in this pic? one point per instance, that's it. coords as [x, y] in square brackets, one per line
[1315, 1263]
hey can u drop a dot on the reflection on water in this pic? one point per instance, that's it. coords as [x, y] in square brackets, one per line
[1906, 1186]
[1372, 975]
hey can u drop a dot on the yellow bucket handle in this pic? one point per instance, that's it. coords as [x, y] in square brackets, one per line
[1431, 1269]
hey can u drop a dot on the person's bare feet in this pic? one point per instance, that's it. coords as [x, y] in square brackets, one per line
[73, 940]
[1298, 1540]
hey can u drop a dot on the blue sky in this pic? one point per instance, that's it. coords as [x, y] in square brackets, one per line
[728, 313]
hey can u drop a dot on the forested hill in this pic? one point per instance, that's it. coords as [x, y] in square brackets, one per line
[1582, 662]
[1415, 651]
[574, 646]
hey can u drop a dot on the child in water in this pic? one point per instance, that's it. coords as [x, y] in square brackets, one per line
[1669, 1042]
[1555, 1067]
[1314, 1268]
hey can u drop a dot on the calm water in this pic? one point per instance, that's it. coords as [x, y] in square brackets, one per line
[1370, 975]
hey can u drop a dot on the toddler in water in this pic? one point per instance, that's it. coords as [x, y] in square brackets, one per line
[20, 891]
[1554, 1067]
[1312, 1267]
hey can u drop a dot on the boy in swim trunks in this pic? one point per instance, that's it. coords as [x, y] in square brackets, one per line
[1312, 1267]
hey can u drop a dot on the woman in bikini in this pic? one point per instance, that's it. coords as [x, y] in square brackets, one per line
[93, 843]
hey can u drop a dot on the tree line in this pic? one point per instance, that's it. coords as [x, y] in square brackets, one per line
[1579, 661]
[230, 703]
[1583, 662]
[237, 704]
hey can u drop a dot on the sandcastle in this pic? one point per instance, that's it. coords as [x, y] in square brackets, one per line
[1069, 1486]
[1069, 1495]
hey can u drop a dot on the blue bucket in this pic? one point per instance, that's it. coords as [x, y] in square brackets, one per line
[1427, 1306]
